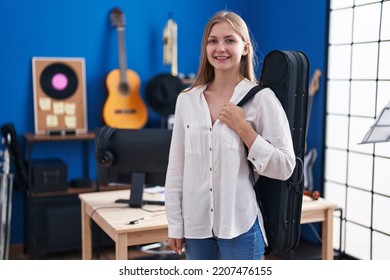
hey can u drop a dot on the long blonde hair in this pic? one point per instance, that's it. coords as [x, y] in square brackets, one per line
[248, 62]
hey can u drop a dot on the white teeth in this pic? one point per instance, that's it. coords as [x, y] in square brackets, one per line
[221, 57]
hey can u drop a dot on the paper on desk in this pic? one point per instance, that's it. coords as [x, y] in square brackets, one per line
[156, 189]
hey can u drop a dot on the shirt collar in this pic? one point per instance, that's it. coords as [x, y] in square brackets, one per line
[241, 90]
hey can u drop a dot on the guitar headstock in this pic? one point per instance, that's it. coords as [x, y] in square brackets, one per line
[315, 82]
[117, 18]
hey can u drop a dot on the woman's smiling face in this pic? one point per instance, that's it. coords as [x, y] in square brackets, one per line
[225, 47]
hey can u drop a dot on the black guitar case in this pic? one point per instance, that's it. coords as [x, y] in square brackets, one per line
[287, 74]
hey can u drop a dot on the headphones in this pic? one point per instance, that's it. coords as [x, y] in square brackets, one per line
[103, 156]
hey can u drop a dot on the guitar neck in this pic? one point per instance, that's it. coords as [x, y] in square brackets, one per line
[122, 53]
[309, 105]
[313, 88]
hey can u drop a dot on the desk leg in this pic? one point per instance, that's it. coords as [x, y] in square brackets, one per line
[121, 247]
[86, 234]
[327, 236]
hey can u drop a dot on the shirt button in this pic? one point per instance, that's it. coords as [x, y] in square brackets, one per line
[210, 149]
[211, 189]
[212, 210]
[253, 159]
[211, 169]
[188, 126]
[210, 128]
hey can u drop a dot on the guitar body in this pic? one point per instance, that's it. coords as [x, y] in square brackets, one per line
[124, 107]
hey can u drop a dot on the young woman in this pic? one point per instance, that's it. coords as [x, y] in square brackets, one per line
[210, 202]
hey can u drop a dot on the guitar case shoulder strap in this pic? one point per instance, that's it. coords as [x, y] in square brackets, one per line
[251, 93]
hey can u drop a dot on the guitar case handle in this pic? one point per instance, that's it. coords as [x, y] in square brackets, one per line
[298, 172]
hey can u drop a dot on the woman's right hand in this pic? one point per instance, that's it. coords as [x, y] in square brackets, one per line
[176, 244]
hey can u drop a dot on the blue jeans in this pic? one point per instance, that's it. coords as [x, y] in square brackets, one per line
[247, 246]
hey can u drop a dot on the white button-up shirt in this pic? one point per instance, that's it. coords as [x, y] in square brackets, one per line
[209, 188]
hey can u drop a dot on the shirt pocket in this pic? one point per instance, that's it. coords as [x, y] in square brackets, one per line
[192, 139]
[230, 139]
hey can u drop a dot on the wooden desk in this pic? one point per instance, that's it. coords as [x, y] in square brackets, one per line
[320, 211]
[112, 218]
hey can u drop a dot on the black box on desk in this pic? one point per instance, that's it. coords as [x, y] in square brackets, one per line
[49, 175]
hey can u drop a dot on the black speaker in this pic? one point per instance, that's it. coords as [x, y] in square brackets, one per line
[49, 175]
[104, 156]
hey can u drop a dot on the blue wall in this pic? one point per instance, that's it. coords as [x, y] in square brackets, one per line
[81, 28]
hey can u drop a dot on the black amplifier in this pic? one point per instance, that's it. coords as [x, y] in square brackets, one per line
[49, 175]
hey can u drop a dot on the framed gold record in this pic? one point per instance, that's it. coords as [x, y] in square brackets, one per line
[59, 95]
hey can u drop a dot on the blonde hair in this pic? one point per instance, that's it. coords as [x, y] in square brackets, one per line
[248, 62]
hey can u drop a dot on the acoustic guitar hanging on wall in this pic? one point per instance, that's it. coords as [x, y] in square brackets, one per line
[124, 107]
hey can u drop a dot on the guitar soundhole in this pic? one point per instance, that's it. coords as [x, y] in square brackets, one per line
[124, 87]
